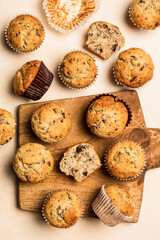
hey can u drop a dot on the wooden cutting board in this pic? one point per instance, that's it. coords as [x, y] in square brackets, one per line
[31, 196]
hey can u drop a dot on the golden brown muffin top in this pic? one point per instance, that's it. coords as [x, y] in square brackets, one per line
[51, 122]
[107, 117]
[78, 69]
[63, 208]
[7, 126]
[145, 13]
[120, 198]
[33, 162]
[25, 33]
[133, 68]
[125, 159]
[25, 75]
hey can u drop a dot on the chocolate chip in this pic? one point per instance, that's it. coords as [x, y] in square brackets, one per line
[85, 173]
[80, 148]
[49, 163]
[114, 47]
[63, 114]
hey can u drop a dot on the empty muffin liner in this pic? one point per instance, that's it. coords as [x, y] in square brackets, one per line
[65, 26]
[106, 211]
[118, 100]
[6, 37]
[57, 141]
[125, 86]
[129, 13]
[130, 178]
[40, 84]
[46, 199]
[69, 86]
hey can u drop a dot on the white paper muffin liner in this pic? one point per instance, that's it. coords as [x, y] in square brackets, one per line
[76, 24]
[125, 86]
[69, 86]
[46, 199]
[129, 13]
[52, 142]
[106, 211]
[6, 37]
[130, 178]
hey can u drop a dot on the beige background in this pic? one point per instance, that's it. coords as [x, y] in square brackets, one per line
[18, 224]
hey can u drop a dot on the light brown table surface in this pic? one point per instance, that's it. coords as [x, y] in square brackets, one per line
[16, 224]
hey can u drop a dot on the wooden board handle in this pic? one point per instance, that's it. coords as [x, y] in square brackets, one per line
[153, 152]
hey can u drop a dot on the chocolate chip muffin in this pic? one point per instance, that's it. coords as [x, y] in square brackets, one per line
[77, 70]
[25, 33]
[125, 160]
[33, 162]
[133, 68]
[107, 116]
[104, 39]
[32, 80]
[62, 208]
[7, 126]
[113, 205]
[145, 13]
[51, 123]
[80, 161]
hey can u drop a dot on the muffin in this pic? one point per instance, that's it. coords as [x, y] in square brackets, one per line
[62, 208]
[145, 13]
[25, 33]
[77, 70]
[7, 126]
[133, 68]
[51, 123]
[113, 205]
[67, 15]
[107, 116]
[125, 160]
[104, 39]
[80, 161]
[33, 162]
[32, 80]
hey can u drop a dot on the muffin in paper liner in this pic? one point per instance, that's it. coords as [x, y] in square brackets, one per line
[106, 211]
[117, 100]
[67, 84]
[129, 178]
[141, 28]
[67, 15]
[57, 141]
[124, 85]
[10, 45]
[48, 197]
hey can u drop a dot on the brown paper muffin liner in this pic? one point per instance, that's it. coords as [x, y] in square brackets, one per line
[6, 37]
[125, 86]
[69, 86]
[53, 142]
[40, 84]
[106, 211]
[46, 199]
[124, 179]
[70, 25]
[117, 99]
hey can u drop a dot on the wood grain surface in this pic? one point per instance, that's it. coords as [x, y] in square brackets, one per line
[31, 196]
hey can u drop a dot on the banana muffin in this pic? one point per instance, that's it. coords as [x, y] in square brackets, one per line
[51, 123]
[80, 161]
[25, 33]
[125, 160]
[133, 68]
[77, 70]
[104, 39]
[32, 80]
[145, 13]
[62, 208]
[33, 162]
[107, 117]
[113, 205]
[7, 126]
